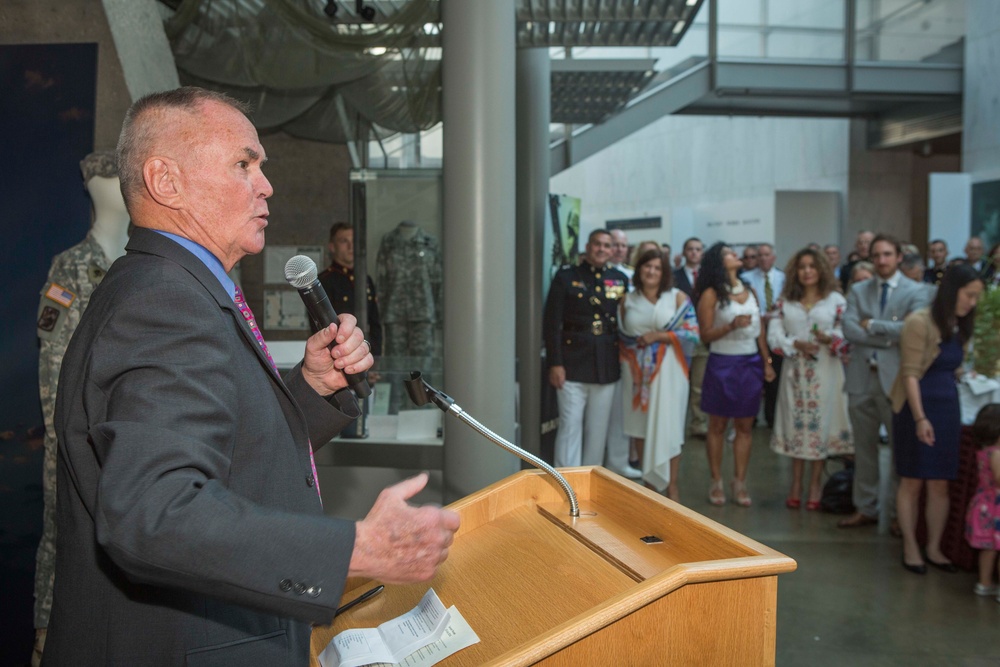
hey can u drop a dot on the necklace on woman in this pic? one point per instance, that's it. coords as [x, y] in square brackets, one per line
[737, 288]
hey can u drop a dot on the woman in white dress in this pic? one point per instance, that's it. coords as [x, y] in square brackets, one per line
[656, 324]
[811, 421]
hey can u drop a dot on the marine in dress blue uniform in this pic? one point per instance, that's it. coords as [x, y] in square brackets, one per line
[338, 281]
[581, 342]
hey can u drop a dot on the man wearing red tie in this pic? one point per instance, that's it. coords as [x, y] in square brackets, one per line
[190, 529]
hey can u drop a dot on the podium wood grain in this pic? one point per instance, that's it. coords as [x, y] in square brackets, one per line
[541, 587]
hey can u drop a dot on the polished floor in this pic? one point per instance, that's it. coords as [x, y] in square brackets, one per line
[849, 602]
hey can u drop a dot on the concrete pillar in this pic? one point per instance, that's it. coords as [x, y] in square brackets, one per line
[534, 85]
[981, 106]
[143, 49]
[479, 240]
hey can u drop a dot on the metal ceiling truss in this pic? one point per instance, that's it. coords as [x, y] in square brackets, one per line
[590, 91]
[570, 23]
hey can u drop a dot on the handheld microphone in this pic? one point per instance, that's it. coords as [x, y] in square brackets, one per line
[300, 272]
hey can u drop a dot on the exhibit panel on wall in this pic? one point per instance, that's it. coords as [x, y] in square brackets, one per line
[986, 212]
[737, 222]
[561, 241]
[804, 217]
[950, 209]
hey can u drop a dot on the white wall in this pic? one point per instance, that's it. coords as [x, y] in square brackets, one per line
[696, 169]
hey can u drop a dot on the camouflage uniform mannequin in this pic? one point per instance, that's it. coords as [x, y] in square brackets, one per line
[73, 276]
[409, 278]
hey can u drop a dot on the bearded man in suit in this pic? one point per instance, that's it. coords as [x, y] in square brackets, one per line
[190, 526]
[873, 323]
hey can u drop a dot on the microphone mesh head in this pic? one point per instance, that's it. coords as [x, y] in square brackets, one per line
[300, 271]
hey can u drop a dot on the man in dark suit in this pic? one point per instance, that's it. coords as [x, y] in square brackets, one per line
[974, 253]
[685, 279]
[190, 526]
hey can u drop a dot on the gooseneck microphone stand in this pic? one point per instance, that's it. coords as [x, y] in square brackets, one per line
[422, 393]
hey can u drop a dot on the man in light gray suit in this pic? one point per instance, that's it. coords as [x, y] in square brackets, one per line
[873, 322]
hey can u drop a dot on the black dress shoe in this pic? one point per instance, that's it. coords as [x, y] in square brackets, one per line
[944, 567]
[915, 569]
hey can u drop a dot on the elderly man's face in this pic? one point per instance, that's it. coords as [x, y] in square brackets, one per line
[765, 255]
[832, 253]
[914, 271]
[225, 190]
[619, 247]
[974, 249]
[863, 244]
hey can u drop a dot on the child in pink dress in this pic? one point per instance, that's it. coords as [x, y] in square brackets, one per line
[982, 522]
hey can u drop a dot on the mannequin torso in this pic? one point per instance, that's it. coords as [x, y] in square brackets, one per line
[111, 219]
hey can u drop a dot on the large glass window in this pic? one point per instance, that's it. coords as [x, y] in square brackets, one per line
[792, 29]
[910, 30]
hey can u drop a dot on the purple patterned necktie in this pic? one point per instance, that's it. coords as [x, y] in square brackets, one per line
[247, 314]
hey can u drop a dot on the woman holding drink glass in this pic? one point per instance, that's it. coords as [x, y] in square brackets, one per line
[811, 422]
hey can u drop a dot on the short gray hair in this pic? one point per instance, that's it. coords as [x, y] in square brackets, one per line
[136, 138]
[911, 260]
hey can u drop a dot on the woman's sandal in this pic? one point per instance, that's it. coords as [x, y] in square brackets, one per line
[716, 495]
[793, 503]
[740, 495]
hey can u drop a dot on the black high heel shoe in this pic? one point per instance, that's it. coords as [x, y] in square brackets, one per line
[944, 567]
[915, 569]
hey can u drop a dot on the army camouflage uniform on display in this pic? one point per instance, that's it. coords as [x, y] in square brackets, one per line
[411, 292]
[74, 275]
[409, 279]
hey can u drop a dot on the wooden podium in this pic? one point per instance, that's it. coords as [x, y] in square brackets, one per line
[542, 588]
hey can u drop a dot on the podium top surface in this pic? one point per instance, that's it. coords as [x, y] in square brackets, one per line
[530, 579]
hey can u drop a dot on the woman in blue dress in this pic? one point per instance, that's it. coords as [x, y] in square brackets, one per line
[927, 422]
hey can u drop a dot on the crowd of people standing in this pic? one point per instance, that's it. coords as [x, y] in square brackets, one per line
[835, 357]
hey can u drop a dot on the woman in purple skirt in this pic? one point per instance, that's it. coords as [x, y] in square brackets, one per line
[738, 364]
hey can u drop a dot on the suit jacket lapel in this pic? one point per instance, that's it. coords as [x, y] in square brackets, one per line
[150, 242]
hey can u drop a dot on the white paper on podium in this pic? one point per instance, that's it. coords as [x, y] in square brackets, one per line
[392, 641]
[458, 635]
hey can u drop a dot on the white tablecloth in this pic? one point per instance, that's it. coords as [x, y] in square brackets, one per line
[975, 391]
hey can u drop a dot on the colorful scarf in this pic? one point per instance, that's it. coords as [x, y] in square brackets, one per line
[645, 362]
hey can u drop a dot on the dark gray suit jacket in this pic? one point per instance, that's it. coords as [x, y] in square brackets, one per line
[682, 283]
[189, 527]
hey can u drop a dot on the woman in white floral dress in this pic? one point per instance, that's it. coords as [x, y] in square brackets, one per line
[811, 421]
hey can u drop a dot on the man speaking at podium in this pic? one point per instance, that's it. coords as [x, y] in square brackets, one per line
[190, 529]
